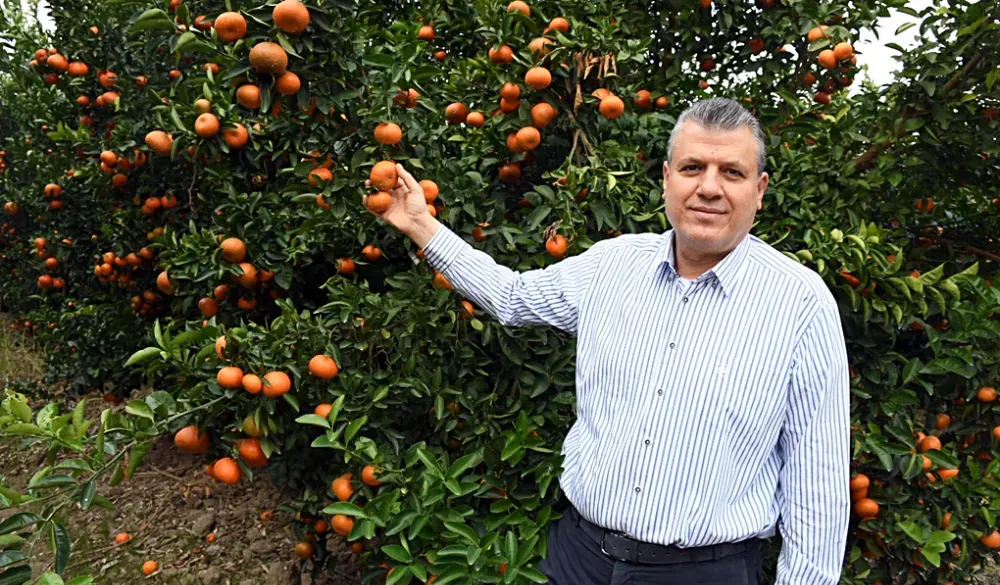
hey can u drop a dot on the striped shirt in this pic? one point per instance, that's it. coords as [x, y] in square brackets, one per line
[706, 413]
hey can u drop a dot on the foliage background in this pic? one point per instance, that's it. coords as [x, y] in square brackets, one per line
[466, 417]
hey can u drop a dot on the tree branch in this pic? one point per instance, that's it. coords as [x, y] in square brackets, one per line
[880, 147]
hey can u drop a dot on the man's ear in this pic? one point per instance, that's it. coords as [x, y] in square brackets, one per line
[762, 183]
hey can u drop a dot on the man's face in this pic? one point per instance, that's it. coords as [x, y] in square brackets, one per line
[712, 188]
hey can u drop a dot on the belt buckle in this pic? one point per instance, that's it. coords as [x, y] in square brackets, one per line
[605, 551]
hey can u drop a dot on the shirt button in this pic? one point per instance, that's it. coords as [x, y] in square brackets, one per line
[647, 441]
[637, 489]
[660, 391]
[672, 345]
[685, 299]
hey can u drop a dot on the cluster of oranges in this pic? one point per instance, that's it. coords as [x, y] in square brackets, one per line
[57, 64]
[234, 251]
[51, 263]
[3, 162]
[840, 58]
[866, 508]
[266, 58]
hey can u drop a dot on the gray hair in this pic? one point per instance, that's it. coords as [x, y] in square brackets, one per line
[721, 114]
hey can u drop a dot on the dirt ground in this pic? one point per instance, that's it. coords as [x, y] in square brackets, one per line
[170, 506]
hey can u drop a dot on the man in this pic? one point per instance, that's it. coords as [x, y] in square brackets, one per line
[712, 378]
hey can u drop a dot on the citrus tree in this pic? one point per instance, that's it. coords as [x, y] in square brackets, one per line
[183, 190]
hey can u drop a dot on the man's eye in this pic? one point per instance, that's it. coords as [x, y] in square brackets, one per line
[690, 168]
[734, 173]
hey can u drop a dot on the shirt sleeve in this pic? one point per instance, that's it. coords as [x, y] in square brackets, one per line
[549, 296]
[813, 490]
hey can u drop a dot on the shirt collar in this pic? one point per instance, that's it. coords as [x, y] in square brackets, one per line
[727, 272]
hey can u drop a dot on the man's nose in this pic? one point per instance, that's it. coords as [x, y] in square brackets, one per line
[711, 183]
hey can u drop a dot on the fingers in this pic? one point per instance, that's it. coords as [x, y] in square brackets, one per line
[368, 182]
[405, 178]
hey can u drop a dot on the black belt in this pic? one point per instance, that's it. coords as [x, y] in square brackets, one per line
[622, 548]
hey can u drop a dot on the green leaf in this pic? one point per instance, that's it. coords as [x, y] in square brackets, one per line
[136, 456]
[50, 578]
[532, 574]
[61, 546]
[464, 531]
[154, 18]
[21, 410]
[142, 355]
[941, 537]
[51, 481]
[139, 408]
[78, 415]
[379, 60]
[912, 530]
[462, 464]
[23, 429]
[19, 521]
[16, 576]
[185, 39]
[314, 419]
[932, 277]
[10, 541]
[87, 494]
[399, 575]
[117, 475]
[10, 557]
[397, 553]
[354, 427]
[345, 508]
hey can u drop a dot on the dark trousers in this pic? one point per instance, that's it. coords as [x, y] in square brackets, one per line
[574, 559]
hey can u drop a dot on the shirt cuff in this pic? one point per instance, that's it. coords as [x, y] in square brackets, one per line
[444, 248]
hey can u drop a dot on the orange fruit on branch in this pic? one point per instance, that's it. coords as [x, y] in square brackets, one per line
[230, 26]
[276, 383]
[159, 142]
[556, 246]
[827, 59]
[426, 33]
[843, 51]
[323, 367]
[206, 126]
[431, 190]
[379, 202]
[291, 16]
[342, 524]
[612, 107]
[227, 471]
[519, 6]
[252, 453]
[248, 96]
[191, 439]
[383, 175]
[230, 377]
[538, 78]
[268, 57]
[866, 508]
[388, 133]
[342, 488]
[287, 83]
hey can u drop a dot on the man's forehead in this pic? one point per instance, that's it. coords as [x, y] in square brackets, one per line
[695, 141]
